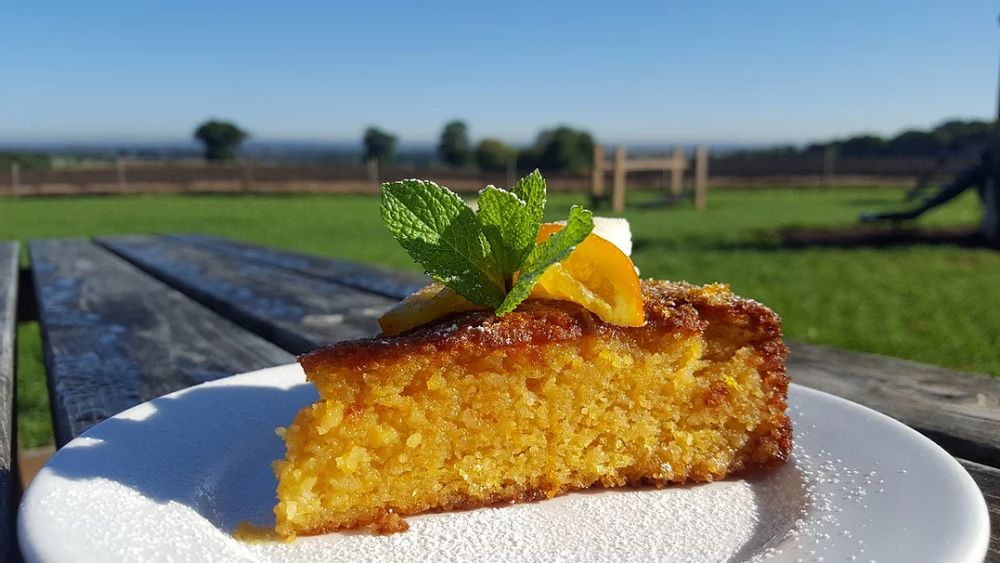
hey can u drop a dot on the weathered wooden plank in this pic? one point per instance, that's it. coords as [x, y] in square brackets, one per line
[114, 337]
[988, 479]
[384, 281]
[960, 411]
[297, 312]
[9, 482]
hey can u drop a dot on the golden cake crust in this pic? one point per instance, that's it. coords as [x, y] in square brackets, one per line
[673, 310]
[670, 307]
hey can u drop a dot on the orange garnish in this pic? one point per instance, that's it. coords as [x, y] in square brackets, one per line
[597, 276]
[431, 302]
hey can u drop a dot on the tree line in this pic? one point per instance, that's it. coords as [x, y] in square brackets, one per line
[565, 149]
[560, 149]
[26, 160]
[951, 135]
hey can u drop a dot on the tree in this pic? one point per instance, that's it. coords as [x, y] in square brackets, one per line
[221, 139]
[25, 160]
[492, 155]
[562, 149]
[454, 147]
[915, 143]
[861, 145]
[379, 145]
[956, 132]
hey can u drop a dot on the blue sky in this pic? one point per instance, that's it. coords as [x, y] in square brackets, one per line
[692, 71]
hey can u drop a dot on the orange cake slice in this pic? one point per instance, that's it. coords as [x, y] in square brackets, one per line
[475, 409]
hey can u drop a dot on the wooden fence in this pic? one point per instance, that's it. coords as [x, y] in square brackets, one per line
[131, 177]
[136, 176]
[675, 165]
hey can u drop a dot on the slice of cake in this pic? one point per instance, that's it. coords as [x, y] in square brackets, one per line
[477, 409]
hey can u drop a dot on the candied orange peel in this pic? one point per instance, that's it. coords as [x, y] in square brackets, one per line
[598, 276]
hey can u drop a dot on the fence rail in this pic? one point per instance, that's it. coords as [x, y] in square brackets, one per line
[621, 165]
[126, 176]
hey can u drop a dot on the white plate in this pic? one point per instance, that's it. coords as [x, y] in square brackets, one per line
[171, 479]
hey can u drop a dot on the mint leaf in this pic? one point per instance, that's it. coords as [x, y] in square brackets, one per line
[510, 229]
[555, 249]
[477, 254]
[441, 233]
[531, 190]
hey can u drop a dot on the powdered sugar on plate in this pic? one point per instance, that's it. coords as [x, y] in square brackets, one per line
[172, 479]
[698, 523]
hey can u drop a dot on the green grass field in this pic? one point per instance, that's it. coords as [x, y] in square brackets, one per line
[934, 304]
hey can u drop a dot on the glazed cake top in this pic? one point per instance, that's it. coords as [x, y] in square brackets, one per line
[674, 307]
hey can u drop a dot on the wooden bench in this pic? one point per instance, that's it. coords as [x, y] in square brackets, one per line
[115, 338]
[126, 319]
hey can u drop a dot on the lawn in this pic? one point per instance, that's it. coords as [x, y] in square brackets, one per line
[929, 303]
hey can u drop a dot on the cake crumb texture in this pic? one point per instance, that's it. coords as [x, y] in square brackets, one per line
[476, 410]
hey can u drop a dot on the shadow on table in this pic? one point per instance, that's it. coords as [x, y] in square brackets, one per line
[209, 449]
[873, 237]
[878, 236]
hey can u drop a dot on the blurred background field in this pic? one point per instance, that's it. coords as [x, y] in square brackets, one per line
[928, 302]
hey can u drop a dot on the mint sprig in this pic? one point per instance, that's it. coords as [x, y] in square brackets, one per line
[439, 231]
[489, 257]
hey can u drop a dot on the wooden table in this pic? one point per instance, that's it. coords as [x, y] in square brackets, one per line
[127, 319]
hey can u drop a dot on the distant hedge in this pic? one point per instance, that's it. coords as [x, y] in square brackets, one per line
[952, 135]
[27, 161]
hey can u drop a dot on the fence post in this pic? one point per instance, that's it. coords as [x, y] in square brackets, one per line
[664, 182]
[829, 162]
[597, 174]
[373, 172]
[701, 178]
[677, 172]
[248, 181]
[511, 170]
[120, 174]
[15, 177]
[618, 186]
